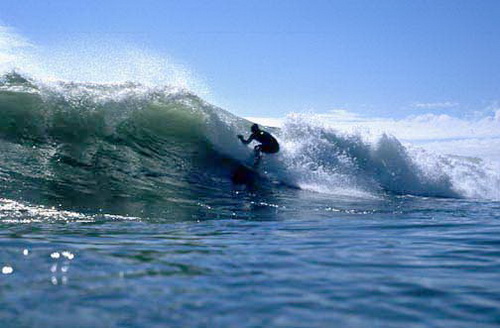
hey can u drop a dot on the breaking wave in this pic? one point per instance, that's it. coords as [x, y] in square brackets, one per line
[65, 142]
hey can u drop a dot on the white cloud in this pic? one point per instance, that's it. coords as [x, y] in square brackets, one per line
[497, 115]
[435, 105]
[485, 148]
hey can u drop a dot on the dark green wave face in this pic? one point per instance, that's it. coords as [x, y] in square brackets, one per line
[116, 146]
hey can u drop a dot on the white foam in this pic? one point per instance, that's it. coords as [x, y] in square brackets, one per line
[355, 159]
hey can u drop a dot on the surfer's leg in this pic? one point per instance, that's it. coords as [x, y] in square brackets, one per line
[258, 155]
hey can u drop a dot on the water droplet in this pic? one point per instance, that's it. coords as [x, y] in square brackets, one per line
[7, 269]
[26, 252]
[55, 255]
[68, 255]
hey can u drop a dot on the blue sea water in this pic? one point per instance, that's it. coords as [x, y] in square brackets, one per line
[290, 259]
[117, 209]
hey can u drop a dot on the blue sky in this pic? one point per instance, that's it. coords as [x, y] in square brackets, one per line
[268, 58]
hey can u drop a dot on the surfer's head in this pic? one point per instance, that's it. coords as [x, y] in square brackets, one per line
[254, 128]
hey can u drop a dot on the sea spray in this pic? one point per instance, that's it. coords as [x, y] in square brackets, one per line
[321, 158]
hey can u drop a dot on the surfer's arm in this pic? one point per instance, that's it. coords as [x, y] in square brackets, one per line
[246, 142]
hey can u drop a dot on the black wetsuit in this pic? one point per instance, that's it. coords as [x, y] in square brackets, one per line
[268, 143]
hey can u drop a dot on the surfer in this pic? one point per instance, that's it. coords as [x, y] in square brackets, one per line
[268, 144]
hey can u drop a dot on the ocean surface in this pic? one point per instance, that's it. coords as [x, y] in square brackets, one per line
[118, 208]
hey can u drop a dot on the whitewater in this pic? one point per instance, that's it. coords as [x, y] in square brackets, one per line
[118, 206]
